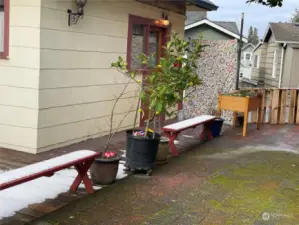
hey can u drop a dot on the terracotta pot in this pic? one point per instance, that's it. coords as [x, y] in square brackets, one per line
[104, 171]
[163, 151]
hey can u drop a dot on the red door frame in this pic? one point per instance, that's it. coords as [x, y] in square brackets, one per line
[149, 23]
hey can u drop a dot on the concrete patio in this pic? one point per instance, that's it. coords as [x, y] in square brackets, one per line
[231, 180]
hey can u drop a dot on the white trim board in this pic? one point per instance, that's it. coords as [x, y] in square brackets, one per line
[248, 45]
[257, 46]
[216, 26]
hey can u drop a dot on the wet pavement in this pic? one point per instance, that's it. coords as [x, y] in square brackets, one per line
[230, 180]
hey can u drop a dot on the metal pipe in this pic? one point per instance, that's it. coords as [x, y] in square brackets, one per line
[281, 65]
[239, 52]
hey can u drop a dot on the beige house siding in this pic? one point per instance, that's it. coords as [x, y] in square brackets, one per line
[259, 73]
[290, 77]
[255, 72]
[19, 78]
[295, 69]
[77, 85]
[286, 79]
[271, 48]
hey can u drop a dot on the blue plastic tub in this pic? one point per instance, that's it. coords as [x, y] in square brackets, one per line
[217, 127]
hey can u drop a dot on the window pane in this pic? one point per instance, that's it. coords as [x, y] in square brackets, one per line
[137, 45]
[247, 56]
[153, 48]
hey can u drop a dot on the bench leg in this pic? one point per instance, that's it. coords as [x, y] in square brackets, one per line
[172, 136]
[82, 176]
[206, 131]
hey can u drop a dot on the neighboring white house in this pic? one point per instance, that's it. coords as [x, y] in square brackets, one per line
[246, 61]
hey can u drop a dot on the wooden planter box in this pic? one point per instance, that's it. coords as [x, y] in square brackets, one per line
[240, 104]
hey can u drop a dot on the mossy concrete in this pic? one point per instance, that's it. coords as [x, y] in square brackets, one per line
[213, 183]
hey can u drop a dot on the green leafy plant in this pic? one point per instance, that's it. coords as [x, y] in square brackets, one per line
[164, 86]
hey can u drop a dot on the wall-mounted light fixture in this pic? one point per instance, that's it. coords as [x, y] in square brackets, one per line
[163, 21]
[73, 17]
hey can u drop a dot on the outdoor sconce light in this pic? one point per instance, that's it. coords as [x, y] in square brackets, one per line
[163, 21]
[73, 17]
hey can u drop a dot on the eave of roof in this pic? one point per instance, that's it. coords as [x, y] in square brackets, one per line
[249, 44]
[204, 4]
[216, 26]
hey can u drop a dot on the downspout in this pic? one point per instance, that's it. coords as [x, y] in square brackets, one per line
[281, 64]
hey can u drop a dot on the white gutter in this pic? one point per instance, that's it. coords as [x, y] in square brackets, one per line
[281, 64]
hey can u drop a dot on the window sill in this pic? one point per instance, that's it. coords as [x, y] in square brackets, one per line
[143, 70]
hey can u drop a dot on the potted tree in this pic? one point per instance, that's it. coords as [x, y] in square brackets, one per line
[176, 72]
[104, 168]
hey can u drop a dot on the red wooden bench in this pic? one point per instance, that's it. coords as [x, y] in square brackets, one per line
[173, 130]
[81, 160]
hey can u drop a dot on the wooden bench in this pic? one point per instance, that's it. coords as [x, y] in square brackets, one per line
[173, 130]
[81, 160]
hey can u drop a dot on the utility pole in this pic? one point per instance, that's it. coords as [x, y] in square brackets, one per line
[240, 45]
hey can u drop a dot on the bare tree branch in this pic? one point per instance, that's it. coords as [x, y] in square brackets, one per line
[112, 113]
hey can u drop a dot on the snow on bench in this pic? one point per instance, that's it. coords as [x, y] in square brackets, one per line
[173, 130]
[189, 123]
[82, 161]
[37, 191]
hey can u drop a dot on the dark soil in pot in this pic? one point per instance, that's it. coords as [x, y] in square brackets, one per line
[141, 152]
[104, 171]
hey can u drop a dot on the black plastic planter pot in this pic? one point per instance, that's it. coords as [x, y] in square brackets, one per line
[141, 152]
[217, 127]
[104, 171]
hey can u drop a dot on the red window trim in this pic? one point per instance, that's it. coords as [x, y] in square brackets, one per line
[5, 53]
[145, 21]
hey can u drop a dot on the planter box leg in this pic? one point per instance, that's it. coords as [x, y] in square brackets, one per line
[245, 123]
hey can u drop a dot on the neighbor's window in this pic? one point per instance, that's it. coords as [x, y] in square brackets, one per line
[274, 64]
[256, 63]
[247, 56]
[4, 23]
[144, 37]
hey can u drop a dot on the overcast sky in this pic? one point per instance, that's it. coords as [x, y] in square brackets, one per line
[256, 15]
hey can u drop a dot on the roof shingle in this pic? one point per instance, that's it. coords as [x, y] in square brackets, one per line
[285, 32]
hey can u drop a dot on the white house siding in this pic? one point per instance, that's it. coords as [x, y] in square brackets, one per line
[271, 47]
[77, 85]
[290, 77]
[19, 77]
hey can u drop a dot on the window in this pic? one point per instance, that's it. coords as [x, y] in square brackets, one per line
[4, 27]
[146, 37]
[247, 56]
[256, 63]
[274, 64]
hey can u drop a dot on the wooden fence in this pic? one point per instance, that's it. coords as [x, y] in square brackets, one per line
[279, 106]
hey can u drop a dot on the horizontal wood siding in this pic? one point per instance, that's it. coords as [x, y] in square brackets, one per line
[77, 85]
[19, 78]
